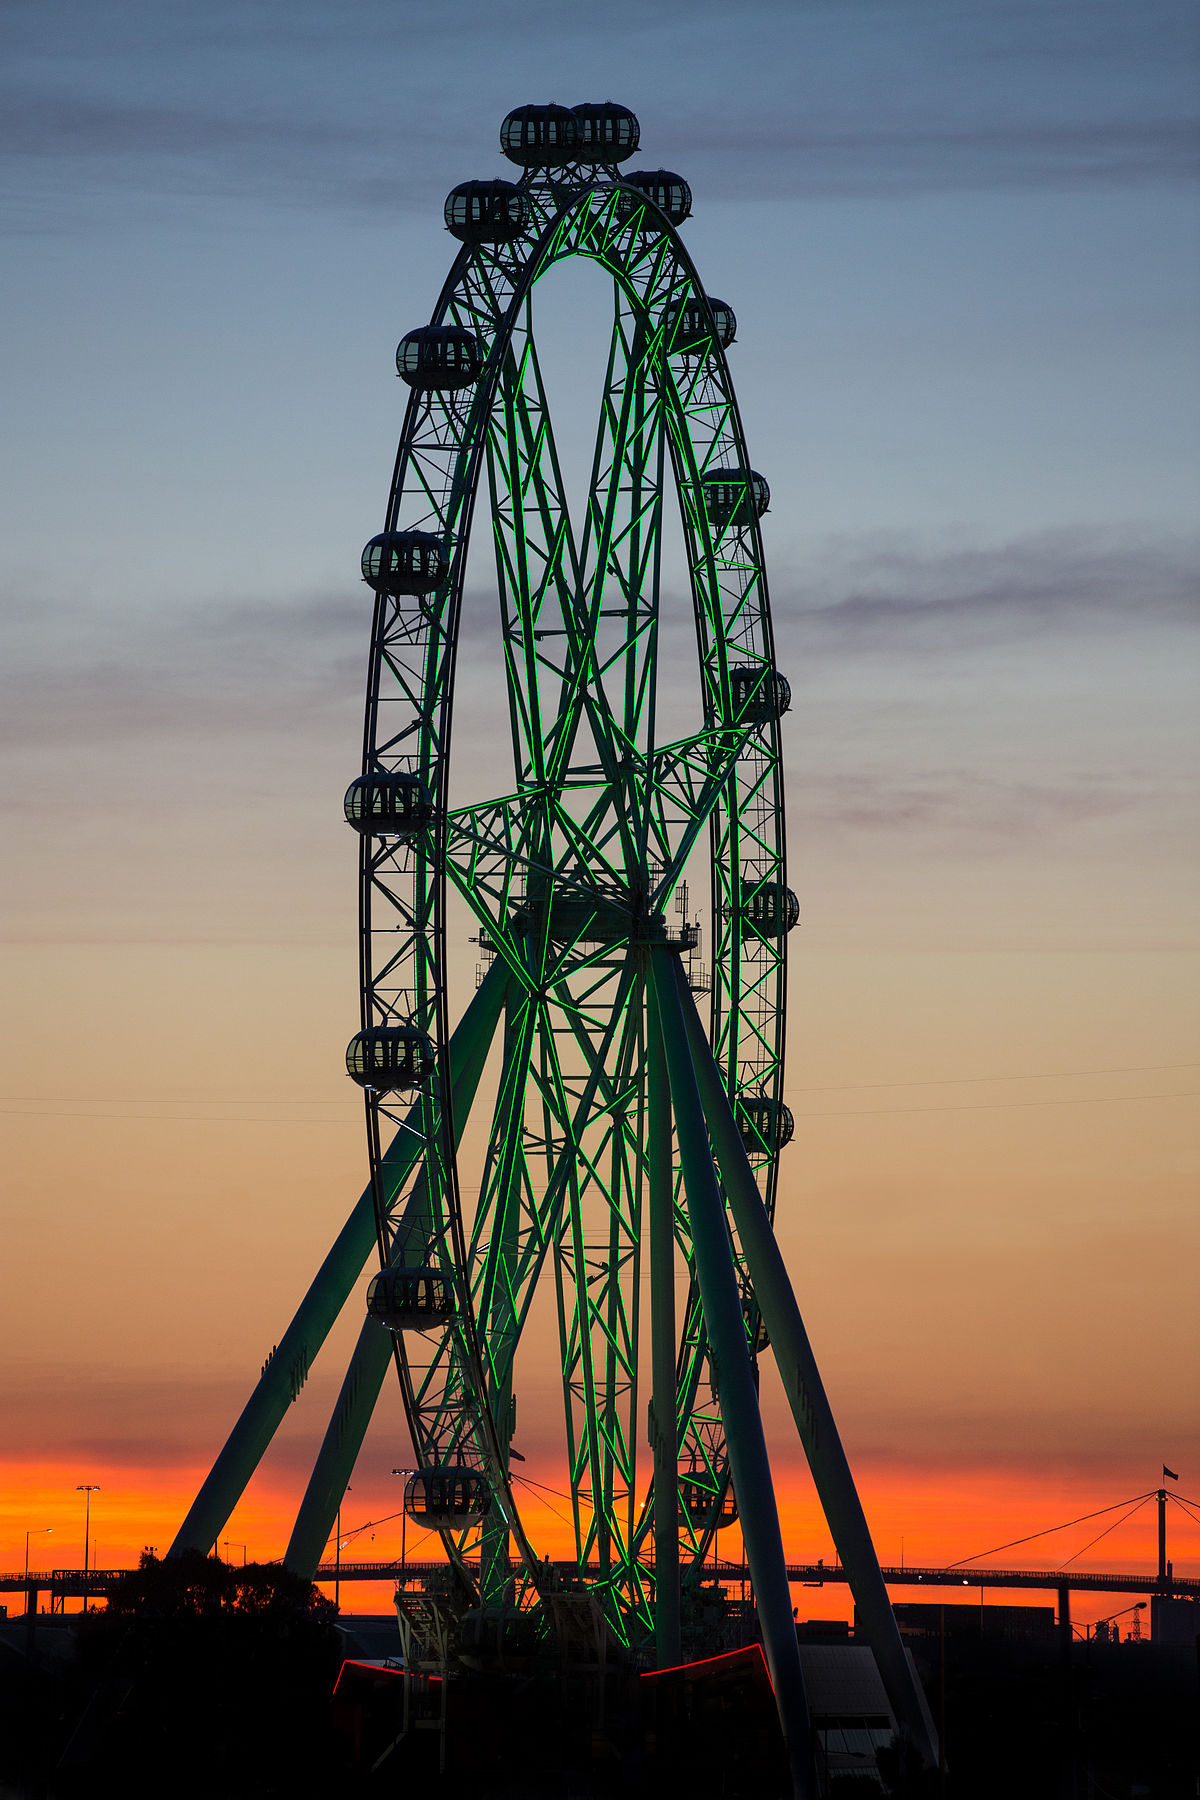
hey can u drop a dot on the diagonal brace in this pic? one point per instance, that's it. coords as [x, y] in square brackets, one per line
[287, 1369]
[806, 1392]
[734, 1378]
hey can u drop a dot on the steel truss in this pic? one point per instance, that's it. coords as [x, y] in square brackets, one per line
[610, 1087]
[601, 815]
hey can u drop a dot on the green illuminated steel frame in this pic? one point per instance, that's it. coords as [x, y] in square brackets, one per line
[575, 874]
[623, 1140]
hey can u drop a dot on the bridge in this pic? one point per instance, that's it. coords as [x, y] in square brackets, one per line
[818, 1573]
[1057, 1581]
[75, 1584]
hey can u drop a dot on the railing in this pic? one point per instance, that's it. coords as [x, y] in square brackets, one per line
[75, 1582]
[817, 1574]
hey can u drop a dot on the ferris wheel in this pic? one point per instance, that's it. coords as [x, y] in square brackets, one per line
[632, 1145]
[573, 876]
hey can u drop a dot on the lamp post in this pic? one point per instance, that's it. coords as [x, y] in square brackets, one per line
[87, 1489]
[337, 1554]
[37, 1531]
[240, 1547]
[31, 1593]
[403, 1522]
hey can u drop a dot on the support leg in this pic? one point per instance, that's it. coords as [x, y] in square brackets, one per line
[664, 1430]
[735, 1381]
[339, 1448]
[368, 1366]
[287, 1370]
[498, 1326]
[806, 1396]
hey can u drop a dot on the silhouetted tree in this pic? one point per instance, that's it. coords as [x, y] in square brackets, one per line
[192, 1585]
[222, 1674]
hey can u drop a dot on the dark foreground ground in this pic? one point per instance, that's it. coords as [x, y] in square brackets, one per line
[243, 1704]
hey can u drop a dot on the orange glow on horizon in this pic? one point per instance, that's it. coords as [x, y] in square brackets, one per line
[933, 1517]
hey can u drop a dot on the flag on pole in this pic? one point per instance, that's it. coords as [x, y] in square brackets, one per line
[1169, 1473]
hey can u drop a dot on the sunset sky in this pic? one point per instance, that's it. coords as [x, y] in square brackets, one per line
[961, 244]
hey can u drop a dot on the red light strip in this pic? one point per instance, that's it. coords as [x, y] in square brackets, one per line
[705, 1662]
[353, 1662]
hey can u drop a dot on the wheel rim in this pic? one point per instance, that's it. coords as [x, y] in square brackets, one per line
[573, 874]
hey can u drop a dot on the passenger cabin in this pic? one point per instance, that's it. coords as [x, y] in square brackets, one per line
[769, 911]
[447, 1496]
[607, 133]
[405, 562]
[689, 329]
[388, 805]
[390, 1058]
[765, 1125]
[540, 137]
[702, 1507]
[734, 496]
[668, 191]
[411, 1299]
[486, 212]
[439, 357]
[759, 694]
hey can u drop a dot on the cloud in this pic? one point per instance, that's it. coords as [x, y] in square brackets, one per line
[247, 664]
[894, 592]
[239, 667]
[117, 1413]
[220, 664]
[796, 161]
[1030, 1438]
[983, 696]
[124, 1416]
[48, 123]
[959, 799]
[803, 101]
[329, 163]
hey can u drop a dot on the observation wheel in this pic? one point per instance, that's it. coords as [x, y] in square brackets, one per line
[580, 878]
[631, 1142]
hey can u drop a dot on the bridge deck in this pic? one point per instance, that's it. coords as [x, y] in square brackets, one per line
[817, 1574]
[74, 1584]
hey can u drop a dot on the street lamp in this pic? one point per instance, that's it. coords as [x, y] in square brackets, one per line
[337, 1553]
[87, 1488]
[37, 1531]
[403, 1521]
[240, 1547]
